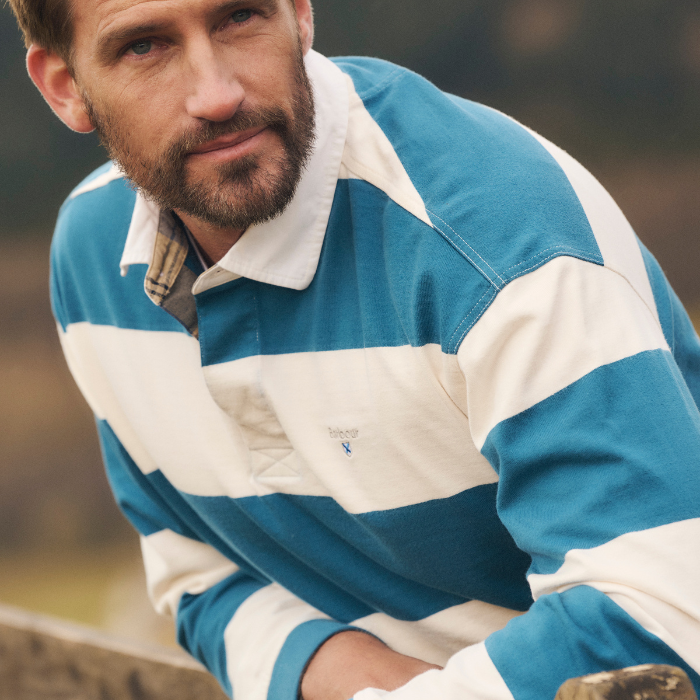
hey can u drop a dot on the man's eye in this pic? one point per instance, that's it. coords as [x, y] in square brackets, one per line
[240, 16]
[140, 47]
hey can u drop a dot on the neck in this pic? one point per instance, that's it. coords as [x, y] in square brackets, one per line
[214, 242]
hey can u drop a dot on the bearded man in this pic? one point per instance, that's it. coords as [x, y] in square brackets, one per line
[398, 403]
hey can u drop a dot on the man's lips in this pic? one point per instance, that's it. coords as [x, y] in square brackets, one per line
[232, 142]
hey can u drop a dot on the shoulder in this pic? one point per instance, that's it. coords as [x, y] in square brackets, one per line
[502, 196]
[501, 200]
[95, 213]
[86, 250]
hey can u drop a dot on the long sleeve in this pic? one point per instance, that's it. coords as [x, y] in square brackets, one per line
[253, 635]
[577, 401]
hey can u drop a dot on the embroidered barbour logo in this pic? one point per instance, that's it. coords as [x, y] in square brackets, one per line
[338, 434]
[344, 435]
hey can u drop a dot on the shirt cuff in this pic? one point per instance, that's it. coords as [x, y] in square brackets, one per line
[296, 653]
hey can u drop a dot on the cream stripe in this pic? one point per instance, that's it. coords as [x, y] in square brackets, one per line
[86, 365]
[272, 428]
[614, 235]
[436, 638]
[370, 156]
[175, 565]
[545, 331]
[139, 381]
[469, 675]
[654, 575]
[256, 634]
[392, 404]
[100, 181]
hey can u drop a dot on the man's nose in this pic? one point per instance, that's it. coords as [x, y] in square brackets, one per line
[215, 92]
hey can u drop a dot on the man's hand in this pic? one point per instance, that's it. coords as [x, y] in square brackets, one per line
[352, 661]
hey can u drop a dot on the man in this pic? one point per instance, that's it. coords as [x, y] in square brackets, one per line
[378, 360]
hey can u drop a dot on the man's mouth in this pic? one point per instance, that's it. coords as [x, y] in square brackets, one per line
[229, 145]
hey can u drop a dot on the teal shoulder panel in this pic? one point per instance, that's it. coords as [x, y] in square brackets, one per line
[490, 187]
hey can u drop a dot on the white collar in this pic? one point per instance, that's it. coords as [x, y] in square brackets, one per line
[284, 251]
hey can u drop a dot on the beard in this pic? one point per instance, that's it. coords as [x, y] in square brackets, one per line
[243, 192]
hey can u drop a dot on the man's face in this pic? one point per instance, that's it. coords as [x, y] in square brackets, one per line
[205, 104]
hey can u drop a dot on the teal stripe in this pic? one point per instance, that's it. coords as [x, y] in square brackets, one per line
[152, 503]
[202, 620]
[295, 655]
[573, 634]
[610, 454]
[677, 327]
[138, 497]
[408, 562]
[86, 283]
[492, 190]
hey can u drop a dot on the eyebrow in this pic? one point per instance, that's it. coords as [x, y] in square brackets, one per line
[122, 34]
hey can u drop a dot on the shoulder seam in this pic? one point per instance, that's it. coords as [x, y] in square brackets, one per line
[452, 345]
[536, 260]
[394, 75]
[464, 254]
[559, 251]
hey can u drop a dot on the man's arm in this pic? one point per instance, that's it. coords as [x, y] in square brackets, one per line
[253, 635]
[220, 620]
[577, 401]
[352, 661]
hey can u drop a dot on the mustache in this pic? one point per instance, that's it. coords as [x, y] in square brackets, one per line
[272, 118]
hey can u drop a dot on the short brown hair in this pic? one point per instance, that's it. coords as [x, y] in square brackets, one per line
[47, 23]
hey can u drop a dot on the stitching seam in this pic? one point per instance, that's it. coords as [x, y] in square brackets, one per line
[468, 246]
[386, 184]
[464, 255]
[466, 318]
[551, 256]
[561, 248]
[393, 76]
[469, 313]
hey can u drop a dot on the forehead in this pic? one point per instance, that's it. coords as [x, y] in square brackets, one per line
[92, 18]
[95, 13]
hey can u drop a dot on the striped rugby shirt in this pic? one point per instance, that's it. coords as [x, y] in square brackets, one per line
[446, 397]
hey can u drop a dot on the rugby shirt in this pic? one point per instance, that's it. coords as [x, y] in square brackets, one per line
[446, 397]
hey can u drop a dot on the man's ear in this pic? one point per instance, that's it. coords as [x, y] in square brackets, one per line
[50, 74]
[305, 17]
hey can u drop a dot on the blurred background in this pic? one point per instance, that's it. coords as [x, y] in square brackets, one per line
[614, 82]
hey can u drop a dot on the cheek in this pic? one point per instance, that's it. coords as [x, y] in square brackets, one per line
[265, 70]
[149, 123]
[143, 105]
[272, 87]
